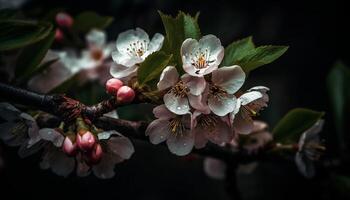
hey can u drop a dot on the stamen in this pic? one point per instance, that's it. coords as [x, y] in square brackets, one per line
[137, 48]
[207, 122]
[200, 59]
[217, 92]
[180, 89]
[177, 127]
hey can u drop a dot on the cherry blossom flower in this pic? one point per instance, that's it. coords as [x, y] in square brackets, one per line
[210, 127]
[248, 105]
[93, 64]
[133, 47]
[182, 92]
[225, 81]
[309, 150]
[113, 148]
[19, 129]
[172, 128]
[201, 57]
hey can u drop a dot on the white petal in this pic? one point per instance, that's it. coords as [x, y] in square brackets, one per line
[107, 134]
[130, 36]
[8, 112]
[195, 84]
[156, 43]
[113, 114]
[249, 97]
[304, 165]
[105, 168]
[125, 59]
[121, 146]
[168, 78]
[221, 106]
[162, 112]
[52, 135]
[181, 144]
[96, 38]
[60, 163]
[230, 78]
[177, 105]
[214, 45]
[158, 131]
[259, 88]
[215, 168]
[120, 71]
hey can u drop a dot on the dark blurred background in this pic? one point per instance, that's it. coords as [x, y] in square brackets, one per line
[317, 33]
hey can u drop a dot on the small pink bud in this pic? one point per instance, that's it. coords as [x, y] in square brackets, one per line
[95, 155]
[69, 147]
[113, 85]
[64, 20]
[58, 35]
[125, 94]
[86, 141]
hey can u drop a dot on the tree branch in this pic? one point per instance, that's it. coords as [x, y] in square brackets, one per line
[68, 110]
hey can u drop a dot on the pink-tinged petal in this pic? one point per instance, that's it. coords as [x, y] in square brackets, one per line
[105, 168]
[61, 164]
[52, 135]
[259, 89]
[200, 138]
[187, 47]
[162, 112]
[215, 168]
[199, 103]
[52, 77]
[195, 84]
[181, 144]
[259, 126]
[83, 169]
[249, 97]
[177, 105]
[168, 78]
[221, 106]
[33, 129]
[305, 166]
[121, 146]
[120, 71]
[158, 131]
[243, 123]
[229, 78]
[220, 134]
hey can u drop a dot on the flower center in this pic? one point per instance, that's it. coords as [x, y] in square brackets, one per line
[217, 91]
[137, 48]
[207, 122]
[96, 54]
[200, 59]
[176, 126]
[180, 89]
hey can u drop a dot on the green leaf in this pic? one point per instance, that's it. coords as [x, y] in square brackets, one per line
[152, 67]
[294, 123]
[177, 30]
[338, 82]
[31, 56]
[86, 21]
[261, 56]
[237, 50]
[17, 33]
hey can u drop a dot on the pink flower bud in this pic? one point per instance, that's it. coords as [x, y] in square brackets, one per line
[95, 155]
[125, 94]
[69, 147]
[113, 85]
[64, 20]
[86, 141]
[58, 35]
